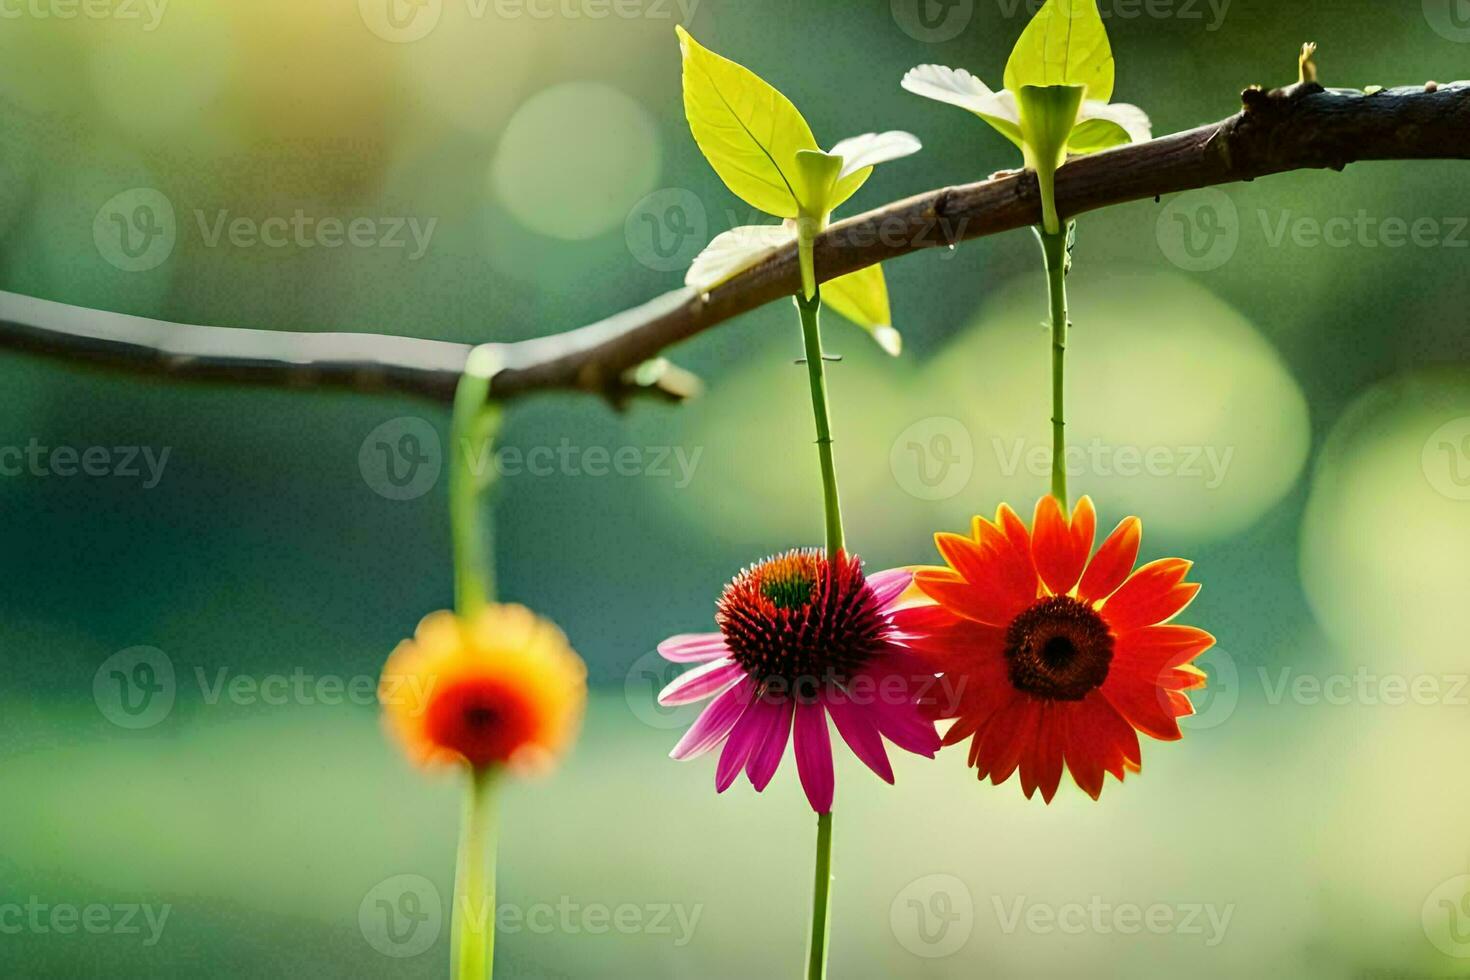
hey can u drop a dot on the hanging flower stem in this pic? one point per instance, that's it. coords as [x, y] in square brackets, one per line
[810, 310]
[816, 368]
[1056, 250]
[474, 885]
[473, 427]
[471, 431]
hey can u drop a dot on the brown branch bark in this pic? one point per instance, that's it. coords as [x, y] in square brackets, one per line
[1300, 127]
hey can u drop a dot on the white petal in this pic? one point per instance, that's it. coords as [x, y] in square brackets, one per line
[869, 149]
[1130, 117]
[735, 251]
[958, 87]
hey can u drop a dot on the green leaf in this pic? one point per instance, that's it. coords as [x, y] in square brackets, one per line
[1065, 44]
[862, 297]
[1092, 135]
[749, 132]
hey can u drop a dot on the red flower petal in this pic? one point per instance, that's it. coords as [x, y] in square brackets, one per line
[1151, 652]
[1060, 546]
[981, 598]
[1141, 704]
[1153, 594]
[1113, 561]
[1051, 736]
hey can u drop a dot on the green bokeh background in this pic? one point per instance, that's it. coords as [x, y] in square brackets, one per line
[1333, 544]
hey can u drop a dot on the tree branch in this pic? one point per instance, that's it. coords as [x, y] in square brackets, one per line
[1300, 127]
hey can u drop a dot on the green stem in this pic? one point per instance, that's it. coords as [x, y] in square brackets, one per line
[816, 368]
[810, 309]
[475, 420]
[1054, 248]
[473, 936]
[816, 956]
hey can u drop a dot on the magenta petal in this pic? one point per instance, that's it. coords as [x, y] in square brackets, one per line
[744, 739]
[764, 760]
[888, 586]
[814, 755]
[693, 647]
[701, 682]
[858, 731]
[904, 726]
[714, 722]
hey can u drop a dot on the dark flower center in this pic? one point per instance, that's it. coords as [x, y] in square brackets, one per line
[799, 620]
[1058, 649]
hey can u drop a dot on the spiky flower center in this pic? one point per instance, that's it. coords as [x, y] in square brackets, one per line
[799, 619]
[1058, 649]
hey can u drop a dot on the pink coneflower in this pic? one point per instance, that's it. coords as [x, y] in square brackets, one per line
[802, 636]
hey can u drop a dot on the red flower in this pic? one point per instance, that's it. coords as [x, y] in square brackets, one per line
[1052, 657]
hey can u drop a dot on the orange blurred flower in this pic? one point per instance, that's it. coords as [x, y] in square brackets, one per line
[1056, 654]
[502, 688]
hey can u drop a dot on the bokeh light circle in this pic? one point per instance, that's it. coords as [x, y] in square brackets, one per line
[574, 158]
